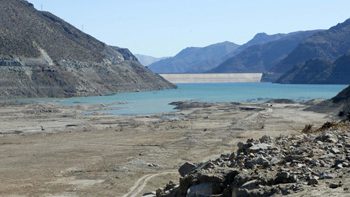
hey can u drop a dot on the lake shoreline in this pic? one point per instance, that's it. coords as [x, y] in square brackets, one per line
[157, 102]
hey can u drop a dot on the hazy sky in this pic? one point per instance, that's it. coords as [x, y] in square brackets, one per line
[164, 27]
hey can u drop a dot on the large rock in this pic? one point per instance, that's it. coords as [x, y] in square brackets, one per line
[186, 168]
[258, 147]
[204, 189]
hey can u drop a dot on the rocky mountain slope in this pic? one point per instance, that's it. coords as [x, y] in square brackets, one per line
[262, 53]
[195, 59]
[262, 38]
[319, 71]
[259, 38]
[342, 96]
[343, 99]
[336, 106]
[147, 60]
[326, 45]
[41, 55]
[316, 162]
[199, 60]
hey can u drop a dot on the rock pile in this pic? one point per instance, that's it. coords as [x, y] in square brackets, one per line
[265, 167]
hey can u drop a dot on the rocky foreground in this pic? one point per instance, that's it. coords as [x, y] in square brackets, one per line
[315, 160]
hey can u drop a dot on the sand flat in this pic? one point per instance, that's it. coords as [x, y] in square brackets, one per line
[105, 155]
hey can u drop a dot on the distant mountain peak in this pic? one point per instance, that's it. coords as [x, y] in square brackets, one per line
[261, 38]
[262, 52]
[195, 59]
[260, 35]
[342, 25]
[226, 42]
[264, 36]
[147, 60]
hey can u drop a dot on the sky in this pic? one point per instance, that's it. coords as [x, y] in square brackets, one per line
[164, 27]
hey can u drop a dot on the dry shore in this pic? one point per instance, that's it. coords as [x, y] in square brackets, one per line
[50, 150]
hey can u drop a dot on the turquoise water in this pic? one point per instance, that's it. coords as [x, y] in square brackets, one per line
[142, 103]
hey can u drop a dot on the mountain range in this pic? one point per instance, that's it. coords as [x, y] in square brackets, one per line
[327, 49]
[262, 53]
[147, 60]
[259, 38]
[316, 56]
[43, 56]
[195, 59]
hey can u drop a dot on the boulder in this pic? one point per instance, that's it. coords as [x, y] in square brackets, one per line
[335, 151]
[253, 184]
[263, 161]
[149, 194]
[285, 177]
[326, 175]
[203, 189]
[186, 168]
[257, 147]
[312, 181]
[212, 178]
[327, 137]
[335, 185]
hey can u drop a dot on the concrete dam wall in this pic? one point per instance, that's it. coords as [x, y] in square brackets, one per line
[213, 77]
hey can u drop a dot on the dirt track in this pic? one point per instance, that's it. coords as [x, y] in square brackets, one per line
[142, 182]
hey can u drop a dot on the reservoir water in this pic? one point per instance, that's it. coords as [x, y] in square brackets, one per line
[141, 103]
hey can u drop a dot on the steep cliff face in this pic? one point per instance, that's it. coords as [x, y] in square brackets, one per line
[43, 56]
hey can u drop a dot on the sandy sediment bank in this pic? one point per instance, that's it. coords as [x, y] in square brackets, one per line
[50, 150]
